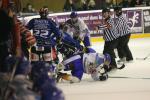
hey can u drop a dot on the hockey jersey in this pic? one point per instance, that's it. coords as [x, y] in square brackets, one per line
[80, 28]
[44, 30]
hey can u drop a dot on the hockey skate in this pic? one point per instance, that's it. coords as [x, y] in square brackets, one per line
[121, 66]
[103, 77]
[121, 60]
[60, 76]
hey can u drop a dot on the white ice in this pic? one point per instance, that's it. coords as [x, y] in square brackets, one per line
[132, 88]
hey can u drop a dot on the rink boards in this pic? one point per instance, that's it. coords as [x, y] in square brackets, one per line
[100, 38]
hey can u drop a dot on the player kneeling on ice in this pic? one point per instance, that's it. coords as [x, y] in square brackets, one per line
[89, 63]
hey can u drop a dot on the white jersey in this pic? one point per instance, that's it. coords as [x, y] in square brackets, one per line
[80, 28]
[92, 64]
[83, 29]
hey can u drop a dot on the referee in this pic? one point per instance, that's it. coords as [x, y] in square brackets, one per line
[123, 29]
[110, 36]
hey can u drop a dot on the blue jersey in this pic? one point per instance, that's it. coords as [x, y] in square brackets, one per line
[44, 30]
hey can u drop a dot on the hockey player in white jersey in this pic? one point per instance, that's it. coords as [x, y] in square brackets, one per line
[89, 63]
[80, 30]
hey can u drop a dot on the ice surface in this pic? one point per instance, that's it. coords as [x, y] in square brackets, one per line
[132, 88]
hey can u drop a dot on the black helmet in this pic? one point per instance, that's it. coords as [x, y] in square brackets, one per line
[43, 12]
[105, 10]
[117, 8]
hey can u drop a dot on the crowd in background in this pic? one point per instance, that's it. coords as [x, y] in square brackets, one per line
[83, 5]
[100, 4]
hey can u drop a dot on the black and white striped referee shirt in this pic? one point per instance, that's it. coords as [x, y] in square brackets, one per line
[109, 33]
[122, 26]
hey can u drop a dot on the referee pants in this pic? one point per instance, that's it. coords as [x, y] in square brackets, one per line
[109, 47]
[123, 48]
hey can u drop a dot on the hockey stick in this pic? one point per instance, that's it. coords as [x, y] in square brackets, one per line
[143, 58]
[124, 77]
[10, 79]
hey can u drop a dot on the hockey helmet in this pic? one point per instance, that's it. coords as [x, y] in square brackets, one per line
[105, 10]
[43, 12]
[118, 10]
[73, 14]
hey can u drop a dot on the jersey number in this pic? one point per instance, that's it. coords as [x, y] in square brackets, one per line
[41, 33]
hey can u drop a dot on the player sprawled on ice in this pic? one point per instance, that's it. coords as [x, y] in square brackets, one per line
[78, 62]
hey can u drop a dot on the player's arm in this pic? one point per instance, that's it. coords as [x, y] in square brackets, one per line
[30, 24]
[105, 25]
[55, 29]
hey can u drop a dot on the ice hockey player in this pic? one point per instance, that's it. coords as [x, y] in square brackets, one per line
[80, 30]
[43, 29]
[89, 63]
[68, 46]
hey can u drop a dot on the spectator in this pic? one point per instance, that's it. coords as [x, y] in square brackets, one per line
[29, 9]
[88, 5]
[69, 6]
[91, 5]
[79, 5]
[147, 2]
[125, 3]
[137, 3]
[109, 3]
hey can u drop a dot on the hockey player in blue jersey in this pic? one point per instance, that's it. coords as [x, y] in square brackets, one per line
[80, 30]
[68, 46]
[44, 29]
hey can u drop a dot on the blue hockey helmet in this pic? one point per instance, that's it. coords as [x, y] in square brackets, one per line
[107, 59]
[73, 14]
